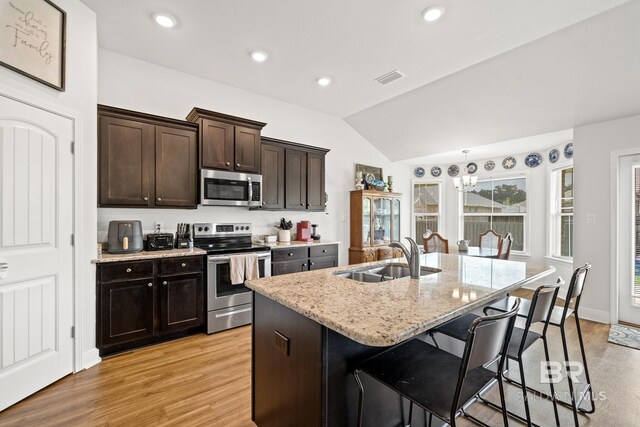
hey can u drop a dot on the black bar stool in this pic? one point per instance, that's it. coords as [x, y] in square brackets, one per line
[559, 316]
[424, 374]
[540, 309]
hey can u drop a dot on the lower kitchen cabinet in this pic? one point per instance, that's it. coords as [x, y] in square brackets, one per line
[142, 302]
[303, 258]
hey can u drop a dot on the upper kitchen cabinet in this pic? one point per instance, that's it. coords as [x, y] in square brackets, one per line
[228, 142]
[145, 160]
[292, 176]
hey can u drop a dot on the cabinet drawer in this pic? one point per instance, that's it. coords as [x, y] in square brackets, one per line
[323, 262]
[181, 265]
[279, 268]
[324, 250]
[385, 253]
[126, 271]
[289, 254]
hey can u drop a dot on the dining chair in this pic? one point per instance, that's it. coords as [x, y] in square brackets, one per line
[427, 233]
[437, 381]
[436, 243]
[505, 247]
[559, 315]
[490, 239]
[540, 310]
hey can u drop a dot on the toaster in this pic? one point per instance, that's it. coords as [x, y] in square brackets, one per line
[124, 237]
[158, 241]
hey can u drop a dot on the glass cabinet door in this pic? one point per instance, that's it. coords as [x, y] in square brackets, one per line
[366, 221]
[395, 215]
[381, 221]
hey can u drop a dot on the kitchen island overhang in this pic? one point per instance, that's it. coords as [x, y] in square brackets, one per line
[311, 328]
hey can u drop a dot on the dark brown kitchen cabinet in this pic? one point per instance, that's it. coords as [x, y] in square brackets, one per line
[272, 176]
[143, 302]
[303, 258]
[145, 160]
[228, 142]
[293, 176]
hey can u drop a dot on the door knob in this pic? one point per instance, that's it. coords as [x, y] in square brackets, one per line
[184, 264]
[146, 198]
[159, 199]
[228, 163]
[128, 270]
[164, 283]
[301, 204]
[238, 165]
[150, 285]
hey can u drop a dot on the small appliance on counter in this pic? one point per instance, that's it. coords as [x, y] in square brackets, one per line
[303, 233]
[183, 236]
[315, 234]
[124, 237]
[158, 241]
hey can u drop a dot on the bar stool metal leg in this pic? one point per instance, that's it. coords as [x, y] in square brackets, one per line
[553, 392]
[571, 391]
[586, 369]
[524, 392]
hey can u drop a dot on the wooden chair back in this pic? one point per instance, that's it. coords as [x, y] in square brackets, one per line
[505, 247]
[436, 243]
[490, 239]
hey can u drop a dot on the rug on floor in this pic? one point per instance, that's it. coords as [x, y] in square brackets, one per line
[625, 335]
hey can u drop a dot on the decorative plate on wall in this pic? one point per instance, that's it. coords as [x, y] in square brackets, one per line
[554, 155]
[419, 172]
[568, 150]
[436, 171]
[472, 167]
[453, 170]
[489, 165]
[509, 162]
[533, 160]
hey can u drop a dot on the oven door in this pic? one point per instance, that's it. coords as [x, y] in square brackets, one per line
[220, 188]
[220, 292]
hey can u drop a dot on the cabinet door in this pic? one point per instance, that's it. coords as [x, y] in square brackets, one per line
[126, 150]
[395, 226]
[295, 179]
[217, 145]
[315, 181]
[247, 150]
[126, 311]
[320, 263]
[272, 177]
[286, 267]
[176, 167]
[181, 302]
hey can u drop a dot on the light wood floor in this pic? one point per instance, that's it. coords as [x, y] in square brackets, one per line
[206, 380]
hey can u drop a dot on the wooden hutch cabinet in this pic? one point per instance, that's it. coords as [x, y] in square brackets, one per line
[375, 222]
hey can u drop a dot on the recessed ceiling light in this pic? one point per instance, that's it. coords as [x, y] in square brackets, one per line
[323, 81]
[259, 55]
[433, 13]
[164, 20]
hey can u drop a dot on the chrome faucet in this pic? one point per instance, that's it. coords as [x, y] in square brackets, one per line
[413, 257]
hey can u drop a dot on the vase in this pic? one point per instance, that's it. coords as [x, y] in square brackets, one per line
[284, 235]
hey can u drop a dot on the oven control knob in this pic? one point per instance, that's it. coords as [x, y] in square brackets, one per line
[237, 228]
[206, 229]
[199, 228]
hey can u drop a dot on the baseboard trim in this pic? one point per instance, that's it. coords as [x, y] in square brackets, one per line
[90, 358]
[594, 315]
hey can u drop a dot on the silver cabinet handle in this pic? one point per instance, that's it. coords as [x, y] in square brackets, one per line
[184, 264]
[146, 198]
[159, 199]
[150, 285]
[238, 165]
[164, 283]
[228, 163]
[290, 253]
[324, 250]
[311, 263]
[308, 205]
[128, 270]
[301, 204]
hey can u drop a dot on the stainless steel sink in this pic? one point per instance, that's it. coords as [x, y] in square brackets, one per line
[384, 273]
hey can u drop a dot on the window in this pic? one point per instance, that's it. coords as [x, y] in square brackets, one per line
[499, 204]
[426, 208]
[561, 228]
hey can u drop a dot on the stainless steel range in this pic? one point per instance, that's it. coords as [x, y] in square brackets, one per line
[228, 305]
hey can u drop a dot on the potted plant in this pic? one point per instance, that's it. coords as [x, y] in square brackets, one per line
[284, 230]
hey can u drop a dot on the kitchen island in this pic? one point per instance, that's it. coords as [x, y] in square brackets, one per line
[310, 329]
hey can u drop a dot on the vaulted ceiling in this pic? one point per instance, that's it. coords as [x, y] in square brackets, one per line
[487, 71]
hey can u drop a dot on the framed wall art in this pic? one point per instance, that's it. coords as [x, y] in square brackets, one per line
[369, 170]
[32, 40]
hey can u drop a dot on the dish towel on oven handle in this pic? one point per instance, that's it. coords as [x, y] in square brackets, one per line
[237, 265]
[252, 270]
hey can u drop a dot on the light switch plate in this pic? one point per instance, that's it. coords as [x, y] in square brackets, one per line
[591, 218]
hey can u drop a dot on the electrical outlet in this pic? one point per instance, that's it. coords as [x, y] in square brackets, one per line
[158, 227]
[282, 343]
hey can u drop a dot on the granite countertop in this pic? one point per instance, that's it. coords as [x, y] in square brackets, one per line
[293, 243]
[170, 253]
[389, 312]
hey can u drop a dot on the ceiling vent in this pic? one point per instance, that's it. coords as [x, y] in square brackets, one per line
[389, 77]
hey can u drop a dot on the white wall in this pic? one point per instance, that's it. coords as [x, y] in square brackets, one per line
[133, 84]
[593, 242]
[80, 96]
[537, 204]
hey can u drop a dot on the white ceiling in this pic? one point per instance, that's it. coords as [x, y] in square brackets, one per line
[453, 95]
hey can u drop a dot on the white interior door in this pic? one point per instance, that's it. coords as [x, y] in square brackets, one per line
[628, 241]
[36, 219]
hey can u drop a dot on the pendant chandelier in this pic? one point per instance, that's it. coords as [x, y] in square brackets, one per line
[467, 182]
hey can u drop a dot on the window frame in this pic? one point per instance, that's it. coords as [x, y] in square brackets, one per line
[554, 211]
[439, 215]
[526, 223]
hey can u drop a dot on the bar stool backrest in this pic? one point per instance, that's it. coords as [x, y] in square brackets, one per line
[488, 337]
[576, 286]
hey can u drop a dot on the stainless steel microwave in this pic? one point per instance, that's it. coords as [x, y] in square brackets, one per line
[222, 188]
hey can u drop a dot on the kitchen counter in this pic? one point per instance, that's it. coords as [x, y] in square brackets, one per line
[294, 243]
[389, 312]
[170, 253]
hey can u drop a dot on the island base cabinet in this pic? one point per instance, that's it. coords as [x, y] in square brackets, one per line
[302, 374]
